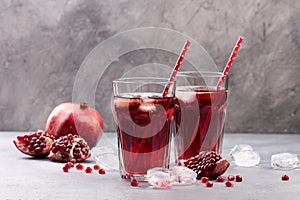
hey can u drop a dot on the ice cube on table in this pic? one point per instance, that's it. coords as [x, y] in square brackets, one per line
[159, 177]
[182, 175]
[240, 147]
[285, 161]
[247, 158]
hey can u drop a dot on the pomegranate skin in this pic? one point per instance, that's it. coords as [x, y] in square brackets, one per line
[34, 144]
[76, 119]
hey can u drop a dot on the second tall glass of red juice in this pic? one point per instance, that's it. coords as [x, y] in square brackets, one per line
[200, 110]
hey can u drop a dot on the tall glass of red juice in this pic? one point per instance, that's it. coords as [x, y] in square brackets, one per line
[143, 121]
[199, 113]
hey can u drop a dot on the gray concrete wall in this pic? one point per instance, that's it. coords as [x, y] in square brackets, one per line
[43, 43]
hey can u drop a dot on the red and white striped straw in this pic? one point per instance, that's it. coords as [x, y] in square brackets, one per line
[229, 62]
[176, 67]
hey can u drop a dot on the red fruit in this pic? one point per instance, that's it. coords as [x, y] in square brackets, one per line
[230, 178]
[209, 184]
[238, 178]
[96, 167]
[228, 184]
[134, 183]
[65, 169]
[34, 144]
[75, 119]
[88, 170]
[69, 165]
[79, 166]
[73, 161]
[207, 163]
[101, 171]
[204, 179]
[285, 177]
[220, 179]
[69, 147]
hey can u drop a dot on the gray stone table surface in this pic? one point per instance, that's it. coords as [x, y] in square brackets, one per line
[23, 177]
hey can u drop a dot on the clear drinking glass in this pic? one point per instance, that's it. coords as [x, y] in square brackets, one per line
[199, 113]
[143, 121]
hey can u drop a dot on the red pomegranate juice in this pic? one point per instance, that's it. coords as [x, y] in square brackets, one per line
[144, 132]
[199, 116]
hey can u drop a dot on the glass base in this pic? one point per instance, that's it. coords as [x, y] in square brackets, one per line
[138, 177]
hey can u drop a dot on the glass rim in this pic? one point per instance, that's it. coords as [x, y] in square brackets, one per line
[143, 80]
[208, 74]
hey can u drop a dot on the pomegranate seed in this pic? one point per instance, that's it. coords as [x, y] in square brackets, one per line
[79, 166]
[96, 167]
[70, 165]
[228, 184]
[101, 171]
[285, 177]
[204, 179]
[209, 184]
[70, 136]
[88, 170]
[134, 183]
[73, 161]
[238, 178]
[230, 178]
[67, 166]
[65, 169]
[220, 179]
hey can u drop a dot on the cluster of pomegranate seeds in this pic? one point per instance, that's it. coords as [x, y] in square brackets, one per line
[134, 183]
[221, 179]
[69, 165]
[204, 179]
[79, 166]
[230, 178]
[34, 144]
[285, 177]
[207, 164]
[69, 147]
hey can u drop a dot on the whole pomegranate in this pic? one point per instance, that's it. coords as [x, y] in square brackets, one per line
[76, 119]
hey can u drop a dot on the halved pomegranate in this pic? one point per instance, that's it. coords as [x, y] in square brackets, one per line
[34, 144]
[207, 163]
[69, 147]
